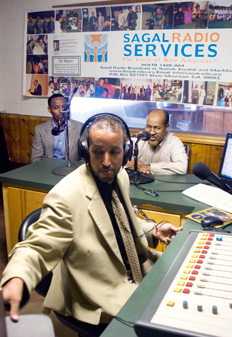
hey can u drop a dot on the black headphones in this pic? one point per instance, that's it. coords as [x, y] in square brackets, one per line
[83, 145]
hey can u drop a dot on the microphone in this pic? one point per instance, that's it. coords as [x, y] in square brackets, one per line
[142, 135]
[57, 130]
[203, 172]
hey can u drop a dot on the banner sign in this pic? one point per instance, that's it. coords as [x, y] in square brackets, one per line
[165, 52]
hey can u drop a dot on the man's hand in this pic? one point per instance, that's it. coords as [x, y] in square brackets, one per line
[12, 294]
[130, 164]
[140, 166]
[143, 168]
[166, 232]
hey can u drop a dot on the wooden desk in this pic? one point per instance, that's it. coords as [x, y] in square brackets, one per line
[24, 190]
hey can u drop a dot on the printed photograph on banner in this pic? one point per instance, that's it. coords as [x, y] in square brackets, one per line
[199, 92]
[56, 47]
[157, 16]
[220, 14]
[37, 85]
[136, 89]
[107, 87]
[60, 22]
[62, 85]
[52, 86]
[224, 94]
[167, 91]
[96, 19]
[83, 86]
[37, 64]
[126, 17]
[190, 15]
[37, 44]
[68, 21]
[41, 22]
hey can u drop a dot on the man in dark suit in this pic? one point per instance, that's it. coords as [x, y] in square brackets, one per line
[38, 88]
[131, 19]
[92, 22]
[30, 46]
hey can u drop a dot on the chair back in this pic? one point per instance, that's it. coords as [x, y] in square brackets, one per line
[187, 149]
[43, 286]
[4, 156]
[6, 164]
[28, 221]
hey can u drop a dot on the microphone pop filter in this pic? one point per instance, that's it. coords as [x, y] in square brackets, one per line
[201, 170]
[147, 136]
[56, 131]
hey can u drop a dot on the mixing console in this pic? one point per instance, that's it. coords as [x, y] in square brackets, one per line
[195, 297]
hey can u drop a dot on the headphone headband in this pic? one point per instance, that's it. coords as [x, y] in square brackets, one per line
[83, 145]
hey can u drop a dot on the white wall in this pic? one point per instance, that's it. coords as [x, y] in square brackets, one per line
[12, 21]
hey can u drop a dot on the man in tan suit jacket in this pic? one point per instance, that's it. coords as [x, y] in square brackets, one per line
[75, 237]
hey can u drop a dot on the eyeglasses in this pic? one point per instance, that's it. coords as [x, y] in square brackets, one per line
[155, 128]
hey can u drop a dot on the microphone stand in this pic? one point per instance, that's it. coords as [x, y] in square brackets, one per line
[135, 176]
[65, 170]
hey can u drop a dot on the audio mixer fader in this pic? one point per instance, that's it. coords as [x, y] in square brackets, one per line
[195, 297]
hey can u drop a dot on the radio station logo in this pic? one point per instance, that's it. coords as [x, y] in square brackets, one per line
[96, 48]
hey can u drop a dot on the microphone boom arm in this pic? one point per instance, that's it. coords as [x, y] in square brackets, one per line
[135, 154]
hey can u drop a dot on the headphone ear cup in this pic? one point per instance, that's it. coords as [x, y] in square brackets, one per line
[127, 153]
[84, 151]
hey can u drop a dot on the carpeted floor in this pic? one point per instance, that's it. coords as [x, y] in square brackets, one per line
[34, 305]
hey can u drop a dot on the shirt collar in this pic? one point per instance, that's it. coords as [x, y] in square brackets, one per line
[105, 189]
[160, 144]
[55, 126]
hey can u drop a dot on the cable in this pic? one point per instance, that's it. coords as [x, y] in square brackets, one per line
[169, 190]
[145, 217]
[176, 182]
[154, 193]
[123, 321]
[73, 163]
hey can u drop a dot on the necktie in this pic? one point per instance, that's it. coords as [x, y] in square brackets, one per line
[123, 224]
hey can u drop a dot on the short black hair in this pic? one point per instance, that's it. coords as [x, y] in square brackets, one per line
[58, 16]
[107, 121]
[54, 96]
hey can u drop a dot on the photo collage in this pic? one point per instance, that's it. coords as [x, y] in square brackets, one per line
[149, 16]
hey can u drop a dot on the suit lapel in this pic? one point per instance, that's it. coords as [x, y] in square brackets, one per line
[71, 138]
[100, 215]
[102, 220]
[49, 138]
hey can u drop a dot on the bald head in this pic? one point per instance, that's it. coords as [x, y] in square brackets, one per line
[160, 112]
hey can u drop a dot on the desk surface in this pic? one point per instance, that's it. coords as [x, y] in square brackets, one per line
[38, 175]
